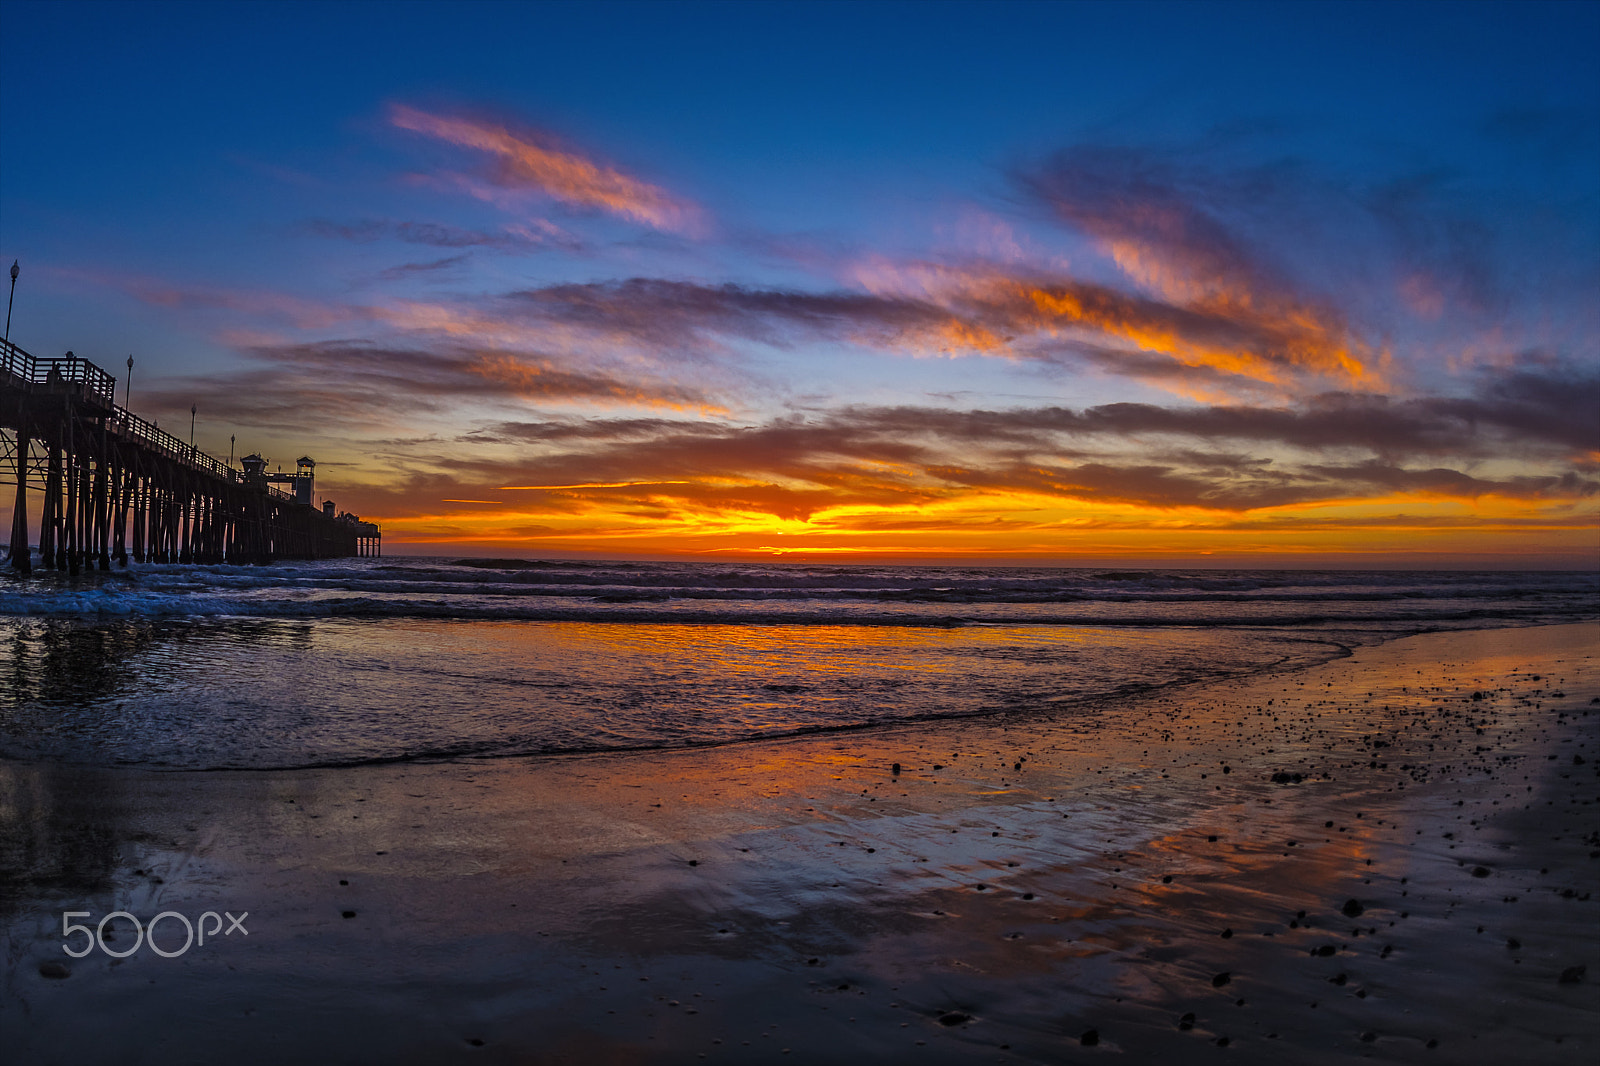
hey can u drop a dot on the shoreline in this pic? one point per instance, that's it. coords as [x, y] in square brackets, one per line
[1047, 706]
[519, 900]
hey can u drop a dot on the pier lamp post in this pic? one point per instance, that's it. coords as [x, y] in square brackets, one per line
[127, 395]
[15, 270]
[192, 409]
[231, 439]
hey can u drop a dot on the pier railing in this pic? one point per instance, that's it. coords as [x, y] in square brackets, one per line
[67, 372]
[80, 377]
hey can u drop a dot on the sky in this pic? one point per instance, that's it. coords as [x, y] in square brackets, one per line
[1295, 285]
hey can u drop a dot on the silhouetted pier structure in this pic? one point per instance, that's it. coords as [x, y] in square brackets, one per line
[114, 484]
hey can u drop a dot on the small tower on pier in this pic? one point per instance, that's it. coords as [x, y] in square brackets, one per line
[255, 469]
[305, 478]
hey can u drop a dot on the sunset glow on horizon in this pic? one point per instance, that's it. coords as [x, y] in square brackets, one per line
[1161, 285]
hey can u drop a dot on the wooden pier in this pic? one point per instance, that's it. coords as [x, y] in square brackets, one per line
[114, 485]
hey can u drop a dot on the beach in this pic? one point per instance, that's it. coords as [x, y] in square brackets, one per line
[1389, 856]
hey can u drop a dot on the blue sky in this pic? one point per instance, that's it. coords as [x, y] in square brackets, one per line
[456, 247]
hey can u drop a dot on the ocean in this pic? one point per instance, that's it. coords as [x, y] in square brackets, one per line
[356, 661]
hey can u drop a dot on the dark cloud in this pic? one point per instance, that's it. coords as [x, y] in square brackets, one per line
[407, 270]
[677, 313]
[326, 385]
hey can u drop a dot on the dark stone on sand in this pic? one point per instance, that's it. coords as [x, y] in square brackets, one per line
[1167, 880]
[1090, 1038]
[1340, 979]
[955, 1017]
[1431, 1044]
[1223, 1041]
[1352, 908]
[694, 862]
[1325, 950]
[1227, 934]
[1027, 895]
[1513, 943]
[54, 970]
[475, 1041]
[1368, 1037]
[1186, 1022]
[1283, 777]
[1212, 838]
[895, 769]
[349, 914]
[342, 881]
[1480, 871]
[1221, 979]
[1573, 975]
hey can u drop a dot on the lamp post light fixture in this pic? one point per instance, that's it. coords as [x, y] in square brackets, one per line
[15, 270]
[192, 409]
[127, 395]
[231, 439]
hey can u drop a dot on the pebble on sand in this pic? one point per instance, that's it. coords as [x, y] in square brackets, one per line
[56, 971]
[1090, 1038]
[1221, 979]
[1352, 908]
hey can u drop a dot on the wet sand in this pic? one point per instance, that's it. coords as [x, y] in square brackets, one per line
[1390, 857]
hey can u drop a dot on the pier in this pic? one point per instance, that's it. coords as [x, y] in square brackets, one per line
[115, 485]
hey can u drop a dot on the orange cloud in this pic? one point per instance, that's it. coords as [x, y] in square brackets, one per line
[1232, 332]
[563, 175]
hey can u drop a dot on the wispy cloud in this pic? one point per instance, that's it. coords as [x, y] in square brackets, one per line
[355, 386]
[537, 235]
[532, 160]
[929, 308]
[409, 270]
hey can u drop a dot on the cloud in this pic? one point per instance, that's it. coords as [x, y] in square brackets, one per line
[1422, 248]
[923, 309]
[531, 160]
[533, 236]
[1338, 450]
[334, 386]
[407, 270]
